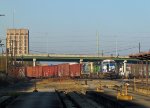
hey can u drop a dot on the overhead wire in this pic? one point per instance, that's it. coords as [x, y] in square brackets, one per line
[92, 42]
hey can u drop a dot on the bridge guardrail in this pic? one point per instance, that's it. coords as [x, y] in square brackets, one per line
[67, 55]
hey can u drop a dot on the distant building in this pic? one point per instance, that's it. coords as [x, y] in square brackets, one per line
[17, 41]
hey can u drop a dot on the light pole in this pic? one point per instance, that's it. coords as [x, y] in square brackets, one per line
[6, 54]
[97, 34]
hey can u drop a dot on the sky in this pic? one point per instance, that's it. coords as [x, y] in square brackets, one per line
[71, 26]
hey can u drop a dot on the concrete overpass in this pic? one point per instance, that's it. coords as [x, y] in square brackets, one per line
[69, 57]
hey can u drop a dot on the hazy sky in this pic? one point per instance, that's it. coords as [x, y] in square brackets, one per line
[69, 26]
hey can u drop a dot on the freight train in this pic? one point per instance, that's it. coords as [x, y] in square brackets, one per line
[105, 69]
[60, 70]
[73, 70]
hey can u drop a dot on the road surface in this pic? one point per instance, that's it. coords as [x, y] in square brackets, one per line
[37, 100]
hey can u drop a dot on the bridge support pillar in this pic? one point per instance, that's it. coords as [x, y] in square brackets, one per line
[117, 67]
[34, 60]
[125, 68]
[81, 60]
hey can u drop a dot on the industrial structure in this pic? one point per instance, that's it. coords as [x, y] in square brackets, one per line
[17, 41]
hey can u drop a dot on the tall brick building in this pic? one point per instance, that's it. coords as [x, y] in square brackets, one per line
[17, 41]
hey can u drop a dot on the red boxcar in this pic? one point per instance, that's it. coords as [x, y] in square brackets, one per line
[37, 71]
[29, 71]
[50, 71]
[40, 71]
[17, 72]
[34, 72]
[75, 70]
[63, 70]
[45, 71]
[54, 70]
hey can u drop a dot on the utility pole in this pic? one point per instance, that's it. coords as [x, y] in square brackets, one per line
[15, 46]
[116, 48]
[12, 52]
[139, 47]
[11, 49]
[1, 45]
[97, 34]
[102, 53]
[6, 58]
[1, 40]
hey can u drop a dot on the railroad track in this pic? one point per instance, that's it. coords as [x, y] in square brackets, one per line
[66, 101]
[76, 100]
[109, 101]
[93, 99]
[62, 99]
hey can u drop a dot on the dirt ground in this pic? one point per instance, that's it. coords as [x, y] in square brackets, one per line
[67, 85]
